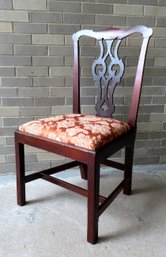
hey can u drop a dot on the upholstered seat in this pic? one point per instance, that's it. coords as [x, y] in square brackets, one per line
[86, 131]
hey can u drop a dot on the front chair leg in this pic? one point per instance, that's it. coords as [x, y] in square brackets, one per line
[93, 202]
[20, 173]
[129, 152]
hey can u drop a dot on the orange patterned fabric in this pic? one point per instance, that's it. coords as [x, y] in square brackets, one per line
[86, 131]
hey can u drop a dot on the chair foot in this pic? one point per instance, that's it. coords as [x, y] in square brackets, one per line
[21, 203]
[127, 189]
[92, 233]
[21, 193]
[93, 240]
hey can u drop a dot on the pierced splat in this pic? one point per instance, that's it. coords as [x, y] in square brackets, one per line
[107, 71]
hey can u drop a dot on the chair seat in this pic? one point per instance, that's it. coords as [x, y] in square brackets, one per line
[87, 131]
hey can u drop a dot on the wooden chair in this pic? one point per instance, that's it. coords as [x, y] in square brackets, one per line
[89, 140]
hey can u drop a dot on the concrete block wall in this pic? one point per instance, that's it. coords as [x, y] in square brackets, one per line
[36, 69]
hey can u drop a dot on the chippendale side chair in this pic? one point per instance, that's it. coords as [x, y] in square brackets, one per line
[89, 140]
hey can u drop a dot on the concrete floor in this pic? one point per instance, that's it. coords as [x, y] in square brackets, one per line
[53, 223]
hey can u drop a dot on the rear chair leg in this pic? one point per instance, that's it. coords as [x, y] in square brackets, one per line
[129, 152]
[93, 202]
[20, 173]
[83, 171]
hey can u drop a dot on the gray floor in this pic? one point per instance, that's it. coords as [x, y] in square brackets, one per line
[53, 223]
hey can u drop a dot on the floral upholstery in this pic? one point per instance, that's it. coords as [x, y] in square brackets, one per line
[80, 130]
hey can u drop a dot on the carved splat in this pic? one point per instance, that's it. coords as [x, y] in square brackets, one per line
[107, 71]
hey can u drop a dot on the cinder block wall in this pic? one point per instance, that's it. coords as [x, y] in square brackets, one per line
[36, 68]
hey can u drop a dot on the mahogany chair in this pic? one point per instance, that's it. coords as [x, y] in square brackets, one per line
[89, 140]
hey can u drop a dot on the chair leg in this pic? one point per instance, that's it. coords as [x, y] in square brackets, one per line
[83, 171]
[93, 202]
[129, 152]
[20, 173]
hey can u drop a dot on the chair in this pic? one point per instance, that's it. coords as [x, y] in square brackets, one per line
[89, 140]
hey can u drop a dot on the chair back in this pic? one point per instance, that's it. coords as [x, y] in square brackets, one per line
[109, 68]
